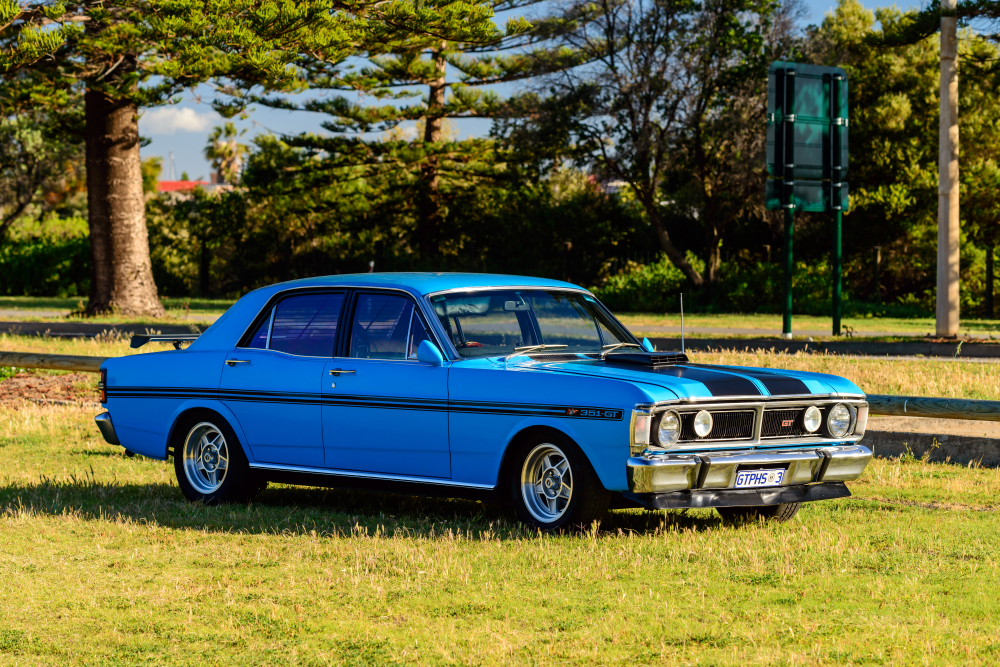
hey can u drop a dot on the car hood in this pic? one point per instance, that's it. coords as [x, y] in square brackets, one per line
[702, 380]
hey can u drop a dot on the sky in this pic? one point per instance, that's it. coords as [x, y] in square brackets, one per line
[182, 129]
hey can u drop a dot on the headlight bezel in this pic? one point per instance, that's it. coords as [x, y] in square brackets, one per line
[658, 424]
[818, 419]
[698, 427]
[828, 421]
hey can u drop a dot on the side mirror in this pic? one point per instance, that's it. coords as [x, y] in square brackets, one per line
[429, 353]
[647, 345]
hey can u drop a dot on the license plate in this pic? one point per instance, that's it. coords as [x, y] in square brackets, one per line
[756, 478]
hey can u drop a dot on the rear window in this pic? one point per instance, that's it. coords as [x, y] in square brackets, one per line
[305, 325]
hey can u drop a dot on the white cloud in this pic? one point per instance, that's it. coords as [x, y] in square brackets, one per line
[167, 120]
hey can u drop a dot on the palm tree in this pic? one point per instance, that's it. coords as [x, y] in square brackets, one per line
[225, 152]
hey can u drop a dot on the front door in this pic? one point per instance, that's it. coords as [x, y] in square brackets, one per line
[384, 411]
[273, 385]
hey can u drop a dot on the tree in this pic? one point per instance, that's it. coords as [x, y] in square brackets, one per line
[671, 87]
[129, 54]
[35, 152]
[225, 152]
[395, 74]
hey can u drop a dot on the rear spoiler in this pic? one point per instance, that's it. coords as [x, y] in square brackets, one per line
[177, 339]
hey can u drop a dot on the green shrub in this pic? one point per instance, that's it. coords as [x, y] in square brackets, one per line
[744, 288]
[45, 267]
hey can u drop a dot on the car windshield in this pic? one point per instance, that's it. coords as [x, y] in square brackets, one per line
[495, 322]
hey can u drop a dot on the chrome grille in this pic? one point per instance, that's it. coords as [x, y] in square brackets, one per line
[726, 425]
[774, 421]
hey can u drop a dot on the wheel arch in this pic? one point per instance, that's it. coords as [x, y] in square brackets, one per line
[217, 409]
[528, 433]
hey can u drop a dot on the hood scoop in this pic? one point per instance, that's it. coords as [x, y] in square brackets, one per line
[647, 358]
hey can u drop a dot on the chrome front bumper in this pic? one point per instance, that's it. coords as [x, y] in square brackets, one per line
[107, 428]
[662, 472]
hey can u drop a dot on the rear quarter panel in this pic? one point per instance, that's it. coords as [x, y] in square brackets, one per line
[147, 392]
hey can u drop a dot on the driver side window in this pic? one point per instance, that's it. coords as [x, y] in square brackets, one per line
[385, 326]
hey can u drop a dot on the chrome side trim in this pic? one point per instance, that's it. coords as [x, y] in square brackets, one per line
[660, 473]
[333, 472]
[107, 428]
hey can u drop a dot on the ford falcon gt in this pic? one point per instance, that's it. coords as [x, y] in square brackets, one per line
[523, 390]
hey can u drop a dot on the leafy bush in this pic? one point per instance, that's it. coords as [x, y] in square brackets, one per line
[744, 288]
[45, 267]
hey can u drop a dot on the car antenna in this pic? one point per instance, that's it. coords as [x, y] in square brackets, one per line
[682, 322]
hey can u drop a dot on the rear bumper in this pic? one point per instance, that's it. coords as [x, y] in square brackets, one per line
[107, 428]
[664, 473]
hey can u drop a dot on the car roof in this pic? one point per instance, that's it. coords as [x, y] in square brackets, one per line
[425, 283]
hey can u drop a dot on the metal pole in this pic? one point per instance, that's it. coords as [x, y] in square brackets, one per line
[948, 225]
[836, 176]
[786, 324]
[789, 195]
[877, 272]
[682, 322]
[837, 259]
[989, 281]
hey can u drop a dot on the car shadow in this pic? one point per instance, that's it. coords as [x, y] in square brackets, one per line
[307, 510]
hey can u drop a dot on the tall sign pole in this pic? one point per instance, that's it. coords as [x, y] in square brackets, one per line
[807, 159]
[948, 229]
[788, 201]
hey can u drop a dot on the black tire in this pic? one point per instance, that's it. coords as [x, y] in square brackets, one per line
[238, 484]
[776, 513]
[588, 500]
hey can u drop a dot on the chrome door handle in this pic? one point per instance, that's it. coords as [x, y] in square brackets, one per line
[336, 371]
[233, 362]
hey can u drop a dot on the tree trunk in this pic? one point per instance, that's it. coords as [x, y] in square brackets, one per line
[119, 242]
[713, 249]
[673, 254]
[430, 209]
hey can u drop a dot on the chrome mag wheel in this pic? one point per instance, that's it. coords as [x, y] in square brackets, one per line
[206, 458]
[546, 483]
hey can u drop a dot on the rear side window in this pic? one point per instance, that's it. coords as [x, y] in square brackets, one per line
[259, 339]
[306, 325]
[385, 327]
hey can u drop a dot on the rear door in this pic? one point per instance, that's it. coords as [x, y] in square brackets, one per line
[384, 411]
[273, 384]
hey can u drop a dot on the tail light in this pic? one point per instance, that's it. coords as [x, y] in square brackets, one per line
[103, 385]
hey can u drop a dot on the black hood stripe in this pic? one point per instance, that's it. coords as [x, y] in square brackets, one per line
[777, 384]
[718, 382]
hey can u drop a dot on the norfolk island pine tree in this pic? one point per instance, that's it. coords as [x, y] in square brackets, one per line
[126, 55]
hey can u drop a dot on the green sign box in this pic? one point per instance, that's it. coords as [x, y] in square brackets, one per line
[810, 196]
[807, 104]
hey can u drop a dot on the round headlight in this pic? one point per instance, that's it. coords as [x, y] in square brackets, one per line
[703, 423]
[669, 430]
[812, 419]
[838, 422]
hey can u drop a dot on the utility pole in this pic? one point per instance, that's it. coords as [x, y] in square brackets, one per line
[948, 230]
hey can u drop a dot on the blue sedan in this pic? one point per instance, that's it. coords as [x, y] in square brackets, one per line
[522, 390]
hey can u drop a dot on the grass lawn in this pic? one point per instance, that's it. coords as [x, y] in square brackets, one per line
[641, 323]
[103, 563]
[953, 379]
[180, 310]
[26, 309]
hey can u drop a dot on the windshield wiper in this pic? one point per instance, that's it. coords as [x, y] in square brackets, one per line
[608, 349]
[530, 348]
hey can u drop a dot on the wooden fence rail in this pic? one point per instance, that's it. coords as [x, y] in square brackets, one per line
[58, 362]
[879, 404]
[941, 408]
